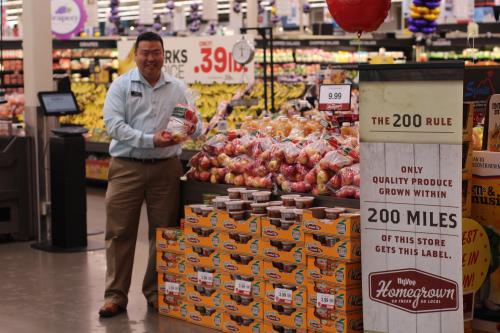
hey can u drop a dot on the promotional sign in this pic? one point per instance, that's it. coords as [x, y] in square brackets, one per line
[411, 176]
[486, 211]
[476, 255]
[335, 97]
[68, 18]
[493, 123]
[480, 83]
[200, 59]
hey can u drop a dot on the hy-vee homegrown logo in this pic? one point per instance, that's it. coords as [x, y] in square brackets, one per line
[414, 291]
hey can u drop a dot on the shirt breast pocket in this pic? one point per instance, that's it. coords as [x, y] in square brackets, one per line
[135, 98]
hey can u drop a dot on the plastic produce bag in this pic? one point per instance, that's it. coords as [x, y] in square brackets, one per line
[183, 118]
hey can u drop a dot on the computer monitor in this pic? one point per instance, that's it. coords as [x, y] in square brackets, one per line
[58, 103]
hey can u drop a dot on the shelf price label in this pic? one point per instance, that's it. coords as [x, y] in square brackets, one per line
[206, 279]
[242, 287]
[325, 301]
[283, 295]
[172, 288]
[335, 97]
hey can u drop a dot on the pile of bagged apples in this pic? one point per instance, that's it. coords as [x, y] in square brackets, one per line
[319, 164]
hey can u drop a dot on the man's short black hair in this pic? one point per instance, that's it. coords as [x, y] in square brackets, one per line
[148, 36]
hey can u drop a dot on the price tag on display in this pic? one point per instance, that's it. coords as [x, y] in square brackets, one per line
[172, 288]
[243, 287]
[335, 97]
[283, 295]
[206, 279]
[325, 301]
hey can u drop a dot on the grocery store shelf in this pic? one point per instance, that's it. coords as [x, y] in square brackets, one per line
[7, 59]
[11, 72]
[84, 57]
[192, 192]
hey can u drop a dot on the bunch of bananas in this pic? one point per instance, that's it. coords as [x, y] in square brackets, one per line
[90, 98]
[211, 95]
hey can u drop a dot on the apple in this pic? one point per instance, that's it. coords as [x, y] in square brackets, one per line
[196, 174]
[239, 180]
[229, 178]
[280, 179]
[335, 182]
[229, 149]
[307, 187]
[266, 155]
[213, 179]
[223, 159]
[264, 182]
[314, 160]
[286, 186]
[356, 180]
[321, 188]
[273, 165]
[322, 177]
[214, 162]
[310, 178]
[303, 158]
[204, 176]
[205, 162]
[299, 187]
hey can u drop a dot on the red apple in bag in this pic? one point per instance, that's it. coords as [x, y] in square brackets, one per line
[359, 15]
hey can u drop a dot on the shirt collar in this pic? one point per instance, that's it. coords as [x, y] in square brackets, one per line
[136, 76]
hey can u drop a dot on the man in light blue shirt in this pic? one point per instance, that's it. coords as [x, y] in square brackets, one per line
[144, 166]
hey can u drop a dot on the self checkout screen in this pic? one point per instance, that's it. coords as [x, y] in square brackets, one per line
[58, 104]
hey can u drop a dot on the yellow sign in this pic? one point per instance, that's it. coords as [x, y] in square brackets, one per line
[476, 255]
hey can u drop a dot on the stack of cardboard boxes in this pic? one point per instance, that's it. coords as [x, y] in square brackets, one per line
[244, 266]
[171, 265]
[333, 248]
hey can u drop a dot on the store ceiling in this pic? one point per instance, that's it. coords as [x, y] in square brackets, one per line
[129, 8]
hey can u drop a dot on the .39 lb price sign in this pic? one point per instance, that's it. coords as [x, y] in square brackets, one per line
[205, 59]
[411, 181]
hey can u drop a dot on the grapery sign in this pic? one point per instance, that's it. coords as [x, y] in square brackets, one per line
[68, 18]
[414, 291]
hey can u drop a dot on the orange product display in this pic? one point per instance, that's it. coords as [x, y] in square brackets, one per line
[283, 294]
[333, 247]
[247, 306]
[170, 262]
[235, 242]
[328, 321]
[292, 252]
[233, 323]
[333, 271]
[345, 225]
[285, 315]
[170, 239]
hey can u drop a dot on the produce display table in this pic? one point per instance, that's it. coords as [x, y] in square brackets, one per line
[192, 193]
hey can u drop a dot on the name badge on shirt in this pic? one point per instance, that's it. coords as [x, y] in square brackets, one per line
[136, 94]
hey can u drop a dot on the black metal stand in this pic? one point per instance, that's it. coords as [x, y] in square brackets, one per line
[267, 37]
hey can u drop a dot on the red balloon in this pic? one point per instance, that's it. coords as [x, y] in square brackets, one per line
[359, 15]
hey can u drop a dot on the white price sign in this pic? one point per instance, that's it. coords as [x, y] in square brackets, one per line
[325, 301]
[283, 295]
[172, 288]
[205, 278]
[335, 97]
[243, 287]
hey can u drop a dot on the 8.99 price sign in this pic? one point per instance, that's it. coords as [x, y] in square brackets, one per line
[205, 60]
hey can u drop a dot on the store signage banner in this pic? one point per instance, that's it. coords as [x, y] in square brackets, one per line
[68, 18]
[411, 145]
[200, 59]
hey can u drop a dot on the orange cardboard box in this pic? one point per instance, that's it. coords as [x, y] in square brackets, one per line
[206, 256]
[196, 220]
[284, 272]
[204, 316]
[297, 297]
[252, 225]
[208, 296]
[171, 284]
[258, 287]
[233, 323]
[199, 236]
[333, 271]
[170, 239]
[344, 299]
[339, 248]
[273, 328]
[199, 274]
[278, 250]
[347, 225]
[323, 320]
[234, 242]
[175, 311]
[169, 262]
[294, 233]
[285, 315]
[242, 264]
[247, 306]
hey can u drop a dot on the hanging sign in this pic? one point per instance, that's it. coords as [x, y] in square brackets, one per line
[411, 144]
[205, 59]
[68, 18]
[146, 13]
